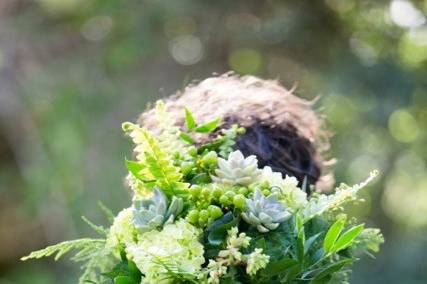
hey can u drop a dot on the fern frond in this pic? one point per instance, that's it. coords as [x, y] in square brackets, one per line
[61, 249]
[107, 211]
[173, 271]
[156, 164]
[167, 133]
[99, 261]
[229, 140]
[99, 229]
[323, 203]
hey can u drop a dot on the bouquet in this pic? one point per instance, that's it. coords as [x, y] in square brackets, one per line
[205, 213]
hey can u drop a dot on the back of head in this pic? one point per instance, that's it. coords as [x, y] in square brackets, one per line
[282, 130]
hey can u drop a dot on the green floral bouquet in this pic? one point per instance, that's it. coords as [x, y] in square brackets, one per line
[205, 213]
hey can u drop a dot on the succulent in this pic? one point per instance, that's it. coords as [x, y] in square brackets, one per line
[265, 213]
[153, 212]
[237, 170]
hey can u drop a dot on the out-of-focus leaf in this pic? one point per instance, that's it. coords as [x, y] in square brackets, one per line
[189, 119]
[332, 234]
[208, 126]
[186, 138]
[347, 238]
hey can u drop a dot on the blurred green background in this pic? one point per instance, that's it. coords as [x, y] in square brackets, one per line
[72, 70]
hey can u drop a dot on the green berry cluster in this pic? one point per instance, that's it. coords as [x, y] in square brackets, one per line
[209, 201]
[204, 217]
[198, 167]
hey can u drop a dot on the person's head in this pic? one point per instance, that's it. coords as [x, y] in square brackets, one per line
[282, 130]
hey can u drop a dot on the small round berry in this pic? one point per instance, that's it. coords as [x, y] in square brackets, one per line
[224, 200]
[206, 192]
[230, 194]
[193, 216]
[192, 151]
[266, 192]
[195, 190]
[214, 211]
[243, 190]
[203, 216]
[210, 158]
[217, 192]
[239, 201]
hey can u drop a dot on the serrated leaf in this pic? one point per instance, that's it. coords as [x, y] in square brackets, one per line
[347, 238]
[186, 138]
[134, 167]
[208, 126]
[332, 234]
[189, 119]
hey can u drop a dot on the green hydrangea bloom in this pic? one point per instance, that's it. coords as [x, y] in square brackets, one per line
[177, 246]
[122, 231]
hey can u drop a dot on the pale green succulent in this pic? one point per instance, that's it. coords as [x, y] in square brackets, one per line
[265, 213]
[152, 213]
[237, 170]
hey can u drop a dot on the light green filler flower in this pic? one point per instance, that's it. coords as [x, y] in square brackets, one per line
[256, 261]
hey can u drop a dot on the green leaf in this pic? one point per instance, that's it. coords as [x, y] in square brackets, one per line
[348, 237]
[260, 243]
[189, 119]
[300, 245]
[124, 280]
[274, 268]
[217, 231]
[308, 243]
[332, 234]
[134, 271]
[330, 270]
[186, 138]
[208, 126]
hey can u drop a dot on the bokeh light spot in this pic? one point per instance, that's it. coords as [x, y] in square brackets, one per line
[97, 28]
[403, 126]
[403, 13]
[186, 49]
[56, 7]
[245, 61]
[413, 47]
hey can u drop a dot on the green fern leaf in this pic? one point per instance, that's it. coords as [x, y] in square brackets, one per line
[62, 248]
[155, 163]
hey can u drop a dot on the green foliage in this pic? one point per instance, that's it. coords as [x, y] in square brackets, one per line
[224, 142]
[217, 231]
[125, 272]
[189, 120]
[194, 127]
